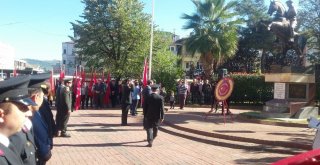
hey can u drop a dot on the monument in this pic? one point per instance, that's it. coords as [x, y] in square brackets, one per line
[294, 82]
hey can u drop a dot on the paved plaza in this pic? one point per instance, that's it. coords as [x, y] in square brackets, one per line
[98, 138]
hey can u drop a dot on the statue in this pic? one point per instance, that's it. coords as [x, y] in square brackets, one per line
[291, 17]
[283, 25]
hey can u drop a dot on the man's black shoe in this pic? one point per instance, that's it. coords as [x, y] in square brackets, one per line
[149, 145]
[65, 135]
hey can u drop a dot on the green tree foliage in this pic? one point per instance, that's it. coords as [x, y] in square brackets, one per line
[254, 37]
[214, 26]
[309, 22]
[165, 69]
[113, 35]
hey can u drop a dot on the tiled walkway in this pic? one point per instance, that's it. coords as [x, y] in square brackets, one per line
[97, 138]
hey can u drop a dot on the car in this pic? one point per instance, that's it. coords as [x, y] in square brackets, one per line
[307, 158]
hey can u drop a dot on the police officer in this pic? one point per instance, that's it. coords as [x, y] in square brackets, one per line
[14, 102]
[65, 108]
[42, 134]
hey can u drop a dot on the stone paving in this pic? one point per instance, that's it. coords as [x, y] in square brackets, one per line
[234, 128]
[98, 138]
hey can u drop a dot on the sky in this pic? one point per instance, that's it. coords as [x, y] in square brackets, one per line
[36, 28]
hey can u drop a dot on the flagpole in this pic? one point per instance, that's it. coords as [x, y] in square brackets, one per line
[151, 41]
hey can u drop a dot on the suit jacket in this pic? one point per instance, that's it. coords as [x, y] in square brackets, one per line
[22, 143]
[153, 110]
[126, 94]
[47, 115]
[41, 136]
[8, 157]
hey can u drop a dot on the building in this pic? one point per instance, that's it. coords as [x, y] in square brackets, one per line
[68, 57]
[20, 64]
[190, 63]
[7, 55]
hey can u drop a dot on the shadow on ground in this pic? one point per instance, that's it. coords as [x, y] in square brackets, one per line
[126, 144]
[256, 148]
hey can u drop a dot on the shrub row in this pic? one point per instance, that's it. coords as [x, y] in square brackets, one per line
[251, 89]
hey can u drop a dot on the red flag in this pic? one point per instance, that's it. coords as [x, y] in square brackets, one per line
[61, 74]
[145, 73]
[107, 97]
[145, 76]
[78, 93]
[14, 72]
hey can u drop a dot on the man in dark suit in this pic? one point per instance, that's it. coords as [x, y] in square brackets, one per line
[153, 114]
[126, 100]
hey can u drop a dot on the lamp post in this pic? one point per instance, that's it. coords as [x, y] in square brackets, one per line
[151, 41]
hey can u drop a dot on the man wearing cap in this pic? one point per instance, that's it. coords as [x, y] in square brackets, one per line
[65, 108]
[14, 102]
[41, 119]
[153, 114]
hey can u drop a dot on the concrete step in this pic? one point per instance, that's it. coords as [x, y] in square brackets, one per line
[275, 109]
[275, 115]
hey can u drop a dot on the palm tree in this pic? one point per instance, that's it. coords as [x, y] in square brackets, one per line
[214, 33]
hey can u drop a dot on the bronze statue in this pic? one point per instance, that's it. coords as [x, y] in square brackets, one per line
[283, 26]
[291, 17]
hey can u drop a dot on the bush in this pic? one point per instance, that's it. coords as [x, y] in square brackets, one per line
[251, 89]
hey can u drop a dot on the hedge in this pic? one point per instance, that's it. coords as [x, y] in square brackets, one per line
[251, 89]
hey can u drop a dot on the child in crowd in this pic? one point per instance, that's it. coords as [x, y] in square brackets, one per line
[172, 100]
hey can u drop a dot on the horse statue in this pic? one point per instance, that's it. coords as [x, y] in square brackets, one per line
[281, 27]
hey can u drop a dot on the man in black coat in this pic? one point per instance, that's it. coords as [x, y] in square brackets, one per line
[126, 100]
[153, 114]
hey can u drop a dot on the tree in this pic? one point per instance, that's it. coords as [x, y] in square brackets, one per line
[165, 69]
[214, 33]
[113, 35]
[255, 39]
[309, 22]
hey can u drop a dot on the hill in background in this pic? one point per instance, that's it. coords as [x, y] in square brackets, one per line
[46, 65]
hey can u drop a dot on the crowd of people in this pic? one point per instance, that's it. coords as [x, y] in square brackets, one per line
[27, 125]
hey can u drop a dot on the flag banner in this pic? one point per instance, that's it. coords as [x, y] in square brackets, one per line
[107, 96]
[145, 76]
[14, 72]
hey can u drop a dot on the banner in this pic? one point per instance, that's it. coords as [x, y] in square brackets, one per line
[107, 96]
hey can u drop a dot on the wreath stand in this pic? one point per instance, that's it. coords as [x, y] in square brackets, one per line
[224, 108]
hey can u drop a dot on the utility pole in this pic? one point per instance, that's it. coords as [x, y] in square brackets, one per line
[151, 41]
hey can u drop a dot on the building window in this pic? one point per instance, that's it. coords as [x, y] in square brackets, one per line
[64, 51]
[64, 62]
[172, 48]
[187, 65]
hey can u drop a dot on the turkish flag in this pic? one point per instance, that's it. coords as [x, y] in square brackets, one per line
[107, 96]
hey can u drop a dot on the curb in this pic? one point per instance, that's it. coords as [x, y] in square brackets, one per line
[244, 118]
[242, 139]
